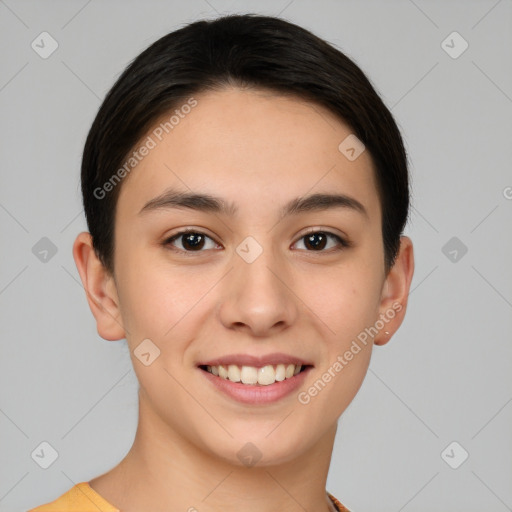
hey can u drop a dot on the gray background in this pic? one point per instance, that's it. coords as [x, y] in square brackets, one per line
[444, 377]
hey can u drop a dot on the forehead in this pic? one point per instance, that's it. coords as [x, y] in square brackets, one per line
[250, 146]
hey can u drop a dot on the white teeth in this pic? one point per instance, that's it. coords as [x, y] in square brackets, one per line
[280, 372]
[266, 375]
[223, 372]
[252, 375]
[234, 373]
[249, 375]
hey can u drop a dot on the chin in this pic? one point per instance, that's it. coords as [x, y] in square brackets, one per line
[258, 449]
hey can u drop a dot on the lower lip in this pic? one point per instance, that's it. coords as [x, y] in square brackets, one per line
[256, 394]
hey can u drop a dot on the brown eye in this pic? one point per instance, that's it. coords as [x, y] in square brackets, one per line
[190, 241]
[316, 241]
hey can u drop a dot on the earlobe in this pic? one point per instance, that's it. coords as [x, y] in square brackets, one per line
[395, 292]
[100, 289]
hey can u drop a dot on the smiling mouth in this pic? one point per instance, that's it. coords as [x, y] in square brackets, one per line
[254, 376]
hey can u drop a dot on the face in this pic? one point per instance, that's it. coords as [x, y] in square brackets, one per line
[255, 285]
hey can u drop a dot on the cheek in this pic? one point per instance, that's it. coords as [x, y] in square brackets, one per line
[346, 302]
[352, 369]
[153, 296]
[334, 386]
[345, 299]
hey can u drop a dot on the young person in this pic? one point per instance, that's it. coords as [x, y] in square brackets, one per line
[246, 191]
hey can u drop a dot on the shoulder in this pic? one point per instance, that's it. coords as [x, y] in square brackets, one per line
[339, 506]
[80, 498]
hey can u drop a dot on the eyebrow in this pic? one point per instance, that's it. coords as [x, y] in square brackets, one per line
[171, 199]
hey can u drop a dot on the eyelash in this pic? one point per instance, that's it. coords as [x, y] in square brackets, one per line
[343, 243]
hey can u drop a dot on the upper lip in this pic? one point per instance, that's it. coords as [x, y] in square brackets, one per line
[257, 361]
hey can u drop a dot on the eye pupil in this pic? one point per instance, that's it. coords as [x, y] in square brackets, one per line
[315, 236]
[194, 240]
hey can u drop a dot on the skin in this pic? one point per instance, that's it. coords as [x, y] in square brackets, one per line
[259, 150]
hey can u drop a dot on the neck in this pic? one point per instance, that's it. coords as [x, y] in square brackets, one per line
[165, 471]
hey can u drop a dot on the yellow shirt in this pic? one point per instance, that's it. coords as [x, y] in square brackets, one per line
[83, 498]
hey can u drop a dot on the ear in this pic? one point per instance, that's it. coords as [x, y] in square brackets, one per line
[100, 289]
[395, 292]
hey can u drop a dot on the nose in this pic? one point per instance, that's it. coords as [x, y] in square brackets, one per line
[258, 298]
